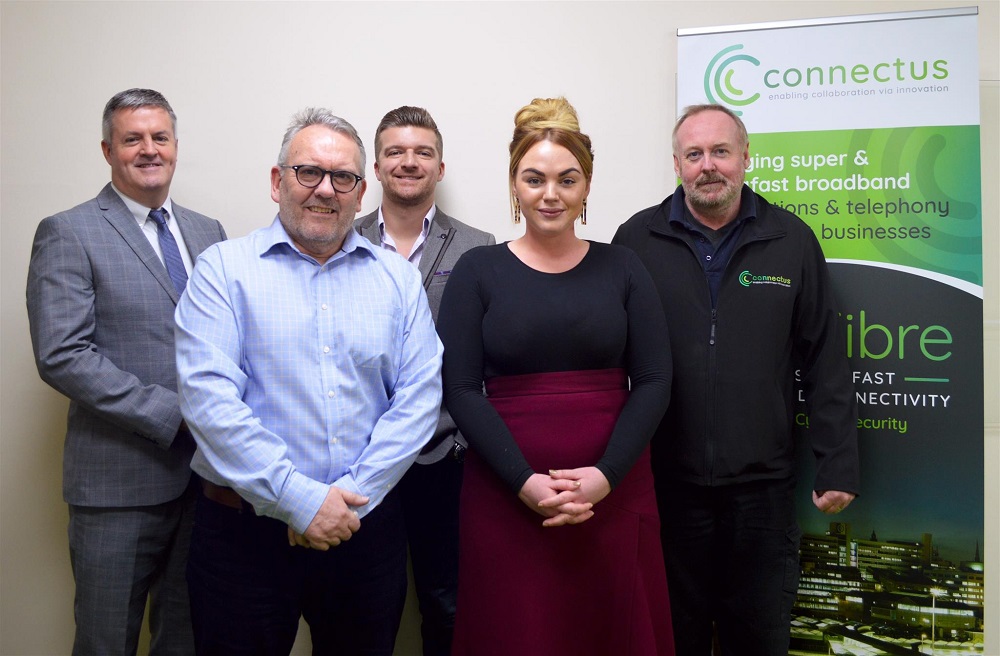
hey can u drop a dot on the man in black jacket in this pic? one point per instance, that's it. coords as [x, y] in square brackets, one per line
[750, 308]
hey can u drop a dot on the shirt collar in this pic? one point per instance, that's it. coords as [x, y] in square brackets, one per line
[140, 211]
[273, 236]
[424, 230]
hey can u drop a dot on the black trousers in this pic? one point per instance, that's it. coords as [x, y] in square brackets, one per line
[429, 494]
[732, 556]
[248, 587]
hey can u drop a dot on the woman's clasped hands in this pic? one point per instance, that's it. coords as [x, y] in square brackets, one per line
[565, 496]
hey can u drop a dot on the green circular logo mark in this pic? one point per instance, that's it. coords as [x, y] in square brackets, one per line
[719, 87]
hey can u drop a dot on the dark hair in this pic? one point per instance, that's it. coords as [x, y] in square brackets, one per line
[406, 117]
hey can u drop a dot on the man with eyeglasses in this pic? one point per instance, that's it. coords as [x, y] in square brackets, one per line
[309, 373]
[409, 164]
[103, 283]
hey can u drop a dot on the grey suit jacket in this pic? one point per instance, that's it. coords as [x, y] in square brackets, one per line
[447, 240]
[101, 312]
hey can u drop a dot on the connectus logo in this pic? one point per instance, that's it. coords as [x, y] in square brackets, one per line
[719, 87]
[802, 80]
[747, 279]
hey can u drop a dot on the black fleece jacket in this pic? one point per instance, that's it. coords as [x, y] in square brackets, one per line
[733, 396]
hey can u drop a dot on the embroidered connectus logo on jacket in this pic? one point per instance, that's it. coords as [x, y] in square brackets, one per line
[747, 279]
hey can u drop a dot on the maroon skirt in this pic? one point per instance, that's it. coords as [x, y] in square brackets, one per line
[593, 588]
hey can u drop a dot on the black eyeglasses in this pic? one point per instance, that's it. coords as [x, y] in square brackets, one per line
[312, 176]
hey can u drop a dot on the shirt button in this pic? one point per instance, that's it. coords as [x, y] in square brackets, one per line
[331, 394]
[708, 257]
[323, 306]
[334, 440]
[326, 349]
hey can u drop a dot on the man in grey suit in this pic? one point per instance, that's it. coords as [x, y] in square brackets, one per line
[408, 163]
[103, 282]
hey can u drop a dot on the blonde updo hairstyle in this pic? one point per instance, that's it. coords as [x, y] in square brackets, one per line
[548, 119]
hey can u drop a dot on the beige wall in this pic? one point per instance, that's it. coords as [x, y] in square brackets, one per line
[235, 72]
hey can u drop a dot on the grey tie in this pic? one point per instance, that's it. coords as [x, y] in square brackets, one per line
[171, 254]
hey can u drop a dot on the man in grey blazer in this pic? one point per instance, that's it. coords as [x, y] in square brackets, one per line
[408, 163]
[103, 282]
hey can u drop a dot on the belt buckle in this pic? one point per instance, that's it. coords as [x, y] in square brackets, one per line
[458, 452]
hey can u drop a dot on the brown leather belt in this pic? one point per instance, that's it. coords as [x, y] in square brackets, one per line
[225, 496]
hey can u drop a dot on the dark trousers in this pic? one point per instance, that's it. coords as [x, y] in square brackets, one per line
[732, 562]
[430, 505]
[121, 556]
[249, 587]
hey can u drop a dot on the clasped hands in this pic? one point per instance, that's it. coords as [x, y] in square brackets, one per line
[335, 522]
[565, 496]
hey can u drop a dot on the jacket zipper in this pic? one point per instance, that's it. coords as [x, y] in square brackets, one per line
[710, 405]
[710, 408]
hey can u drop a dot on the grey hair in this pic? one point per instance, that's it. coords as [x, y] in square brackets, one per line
[319, 116]
[134, 99]
[691, 110]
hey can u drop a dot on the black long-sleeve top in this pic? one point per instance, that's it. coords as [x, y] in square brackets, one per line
[500, 317]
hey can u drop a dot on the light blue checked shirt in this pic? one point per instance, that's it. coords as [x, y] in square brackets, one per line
[294, 376]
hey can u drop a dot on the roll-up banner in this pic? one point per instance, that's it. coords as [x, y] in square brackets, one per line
[867, 128]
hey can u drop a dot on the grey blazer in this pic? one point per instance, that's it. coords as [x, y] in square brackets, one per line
[101, 313]
[447, 240]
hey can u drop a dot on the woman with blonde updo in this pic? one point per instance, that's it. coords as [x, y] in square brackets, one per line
[559, 534]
